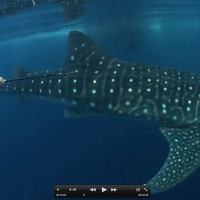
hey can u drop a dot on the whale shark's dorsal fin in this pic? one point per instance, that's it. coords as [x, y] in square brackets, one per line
[19, 72]
[183, 158]
[84, 53]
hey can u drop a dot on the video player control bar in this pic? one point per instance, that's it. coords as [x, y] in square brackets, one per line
[102, 191]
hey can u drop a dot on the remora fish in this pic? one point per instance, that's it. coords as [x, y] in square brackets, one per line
[96, 81]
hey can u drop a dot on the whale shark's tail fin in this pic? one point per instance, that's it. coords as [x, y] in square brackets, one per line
[183, 158]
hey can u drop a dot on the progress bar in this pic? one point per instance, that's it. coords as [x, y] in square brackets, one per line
[102, 191]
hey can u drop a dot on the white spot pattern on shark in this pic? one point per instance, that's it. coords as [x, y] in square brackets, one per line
[95, 81]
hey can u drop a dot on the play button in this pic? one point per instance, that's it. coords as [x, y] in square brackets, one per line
[103, 189]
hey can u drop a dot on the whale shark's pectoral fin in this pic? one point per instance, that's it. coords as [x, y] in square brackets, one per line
[183, 158]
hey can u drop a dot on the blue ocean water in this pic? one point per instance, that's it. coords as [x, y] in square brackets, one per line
[39, 148]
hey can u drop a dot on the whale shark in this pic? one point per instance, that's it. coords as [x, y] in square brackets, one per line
[73, 9]
[94, 82]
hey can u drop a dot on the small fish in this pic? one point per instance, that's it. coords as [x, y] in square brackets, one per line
[94, 81]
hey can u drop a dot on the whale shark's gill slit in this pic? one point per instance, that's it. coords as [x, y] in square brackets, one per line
[183, 158]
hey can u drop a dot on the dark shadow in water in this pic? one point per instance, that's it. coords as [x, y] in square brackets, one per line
[72, 9]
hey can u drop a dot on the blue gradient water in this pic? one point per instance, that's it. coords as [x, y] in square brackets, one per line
[40, 148]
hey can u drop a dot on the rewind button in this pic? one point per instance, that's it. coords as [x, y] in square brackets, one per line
[93, 189]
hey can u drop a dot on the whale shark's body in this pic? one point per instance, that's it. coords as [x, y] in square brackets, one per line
[95, 81]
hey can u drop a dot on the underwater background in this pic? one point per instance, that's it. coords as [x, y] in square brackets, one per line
[39, 148]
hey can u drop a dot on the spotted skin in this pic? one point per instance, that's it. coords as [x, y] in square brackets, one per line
[183, 157]
[93, 80]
